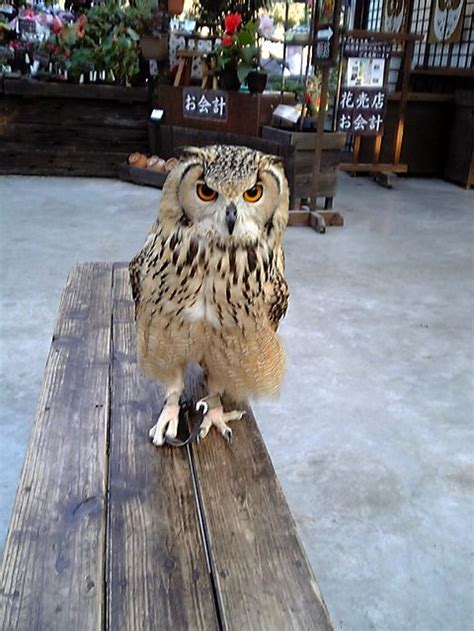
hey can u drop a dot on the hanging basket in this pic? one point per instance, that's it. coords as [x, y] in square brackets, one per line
[175, 7]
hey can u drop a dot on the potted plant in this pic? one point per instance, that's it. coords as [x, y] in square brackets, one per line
[237, 53]
[257, 77]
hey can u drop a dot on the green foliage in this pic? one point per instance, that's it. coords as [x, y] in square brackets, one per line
[81, 61]
[110, 39]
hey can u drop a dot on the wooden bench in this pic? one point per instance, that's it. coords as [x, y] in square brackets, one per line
[110, 533]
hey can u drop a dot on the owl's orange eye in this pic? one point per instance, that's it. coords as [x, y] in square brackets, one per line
[254, 194]
[205, 193]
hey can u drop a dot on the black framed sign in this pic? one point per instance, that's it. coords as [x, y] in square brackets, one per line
[366, 47]
[362, 110]
[205, 104]
[326, 33]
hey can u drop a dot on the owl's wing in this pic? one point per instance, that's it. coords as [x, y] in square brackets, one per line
[136, 267]
[277, 293]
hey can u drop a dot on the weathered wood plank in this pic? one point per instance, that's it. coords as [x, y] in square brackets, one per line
[70, 113]
[80, 138]
[304, 141]
[32, 87]
[21, 159]
[373, 168]
[157, 573]
[327, 184]
[53, 568]
[262, 574]
[304, 160]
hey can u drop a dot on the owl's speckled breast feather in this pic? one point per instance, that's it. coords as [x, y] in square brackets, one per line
[235, 289]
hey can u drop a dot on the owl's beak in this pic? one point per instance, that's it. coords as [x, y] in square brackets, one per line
[231, 216]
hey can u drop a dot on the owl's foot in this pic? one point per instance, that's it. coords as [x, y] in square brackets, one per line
[217, 417]
[167, 425]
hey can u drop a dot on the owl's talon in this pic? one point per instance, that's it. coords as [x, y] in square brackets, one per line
[228, 435]
[217, 417]
[205, 427]
[167, 425]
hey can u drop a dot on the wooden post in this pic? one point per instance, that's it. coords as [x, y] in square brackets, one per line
[409, 47]
[319, 136]
[377, 147]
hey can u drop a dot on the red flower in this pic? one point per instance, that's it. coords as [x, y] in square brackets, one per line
[56, 26]
[232, 23]
[227, 40]
[81, 26]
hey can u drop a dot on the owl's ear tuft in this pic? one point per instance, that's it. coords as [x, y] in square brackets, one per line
[275, 161]
[185, 153]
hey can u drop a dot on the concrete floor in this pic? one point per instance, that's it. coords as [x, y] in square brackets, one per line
[371, 437]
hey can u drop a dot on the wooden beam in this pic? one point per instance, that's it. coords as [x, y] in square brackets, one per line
[377, 147]
[26, 86]
[319, 137]
[373, 168]
[426, 97]
[406, 69]
[298, 218]
[157, 573]
[384, 36]
[262, 574]
[447, 72]
[54, 559]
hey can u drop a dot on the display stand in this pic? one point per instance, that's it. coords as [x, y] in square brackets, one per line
[384, 173]
[324, 59]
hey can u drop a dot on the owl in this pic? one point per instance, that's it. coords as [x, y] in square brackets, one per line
[208, 284]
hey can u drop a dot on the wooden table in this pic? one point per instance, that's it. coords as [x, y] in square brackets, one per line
[109, 532]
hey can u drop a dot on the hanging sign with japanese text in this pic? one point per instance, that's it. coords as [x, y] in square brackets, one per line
[365, 47]
[362, 110]
[205, 104]
[325, 33]
[323, 49]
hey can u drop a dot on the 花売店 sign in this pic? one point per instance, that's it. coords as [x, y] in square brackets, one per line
[205, 104]
[361, 110]
[363, 99]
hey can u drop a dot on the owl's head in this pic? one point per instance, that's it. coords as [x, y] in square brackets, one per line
[226, 192]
